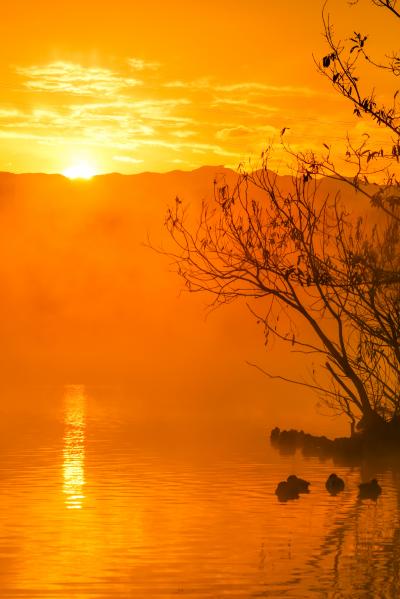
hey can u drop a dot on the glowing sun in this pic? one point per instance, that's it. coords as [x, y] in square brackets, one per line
[80, 170]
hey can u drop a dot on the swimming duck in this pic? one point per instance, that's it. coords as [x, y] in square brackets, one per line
[370, 490]
[334, 484]
[286, 491]
[298, 483]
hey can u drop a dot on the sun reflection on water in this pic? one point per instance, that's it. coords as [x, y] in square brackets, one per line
[74, 446]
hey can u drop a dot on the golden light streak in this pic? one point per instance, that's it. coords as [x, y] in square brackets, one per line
[74, 446]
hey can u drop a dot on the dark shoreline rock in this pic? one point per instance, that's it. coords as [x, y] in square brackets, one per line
[352, 449]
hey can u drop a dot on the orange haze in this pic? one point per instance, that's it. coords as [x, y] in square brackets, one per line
[131, 86]
[84, 301]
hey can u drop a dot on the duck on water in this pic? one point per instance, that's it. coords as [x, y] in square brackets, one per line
[291, 488]
[370, 490]
[334, 484]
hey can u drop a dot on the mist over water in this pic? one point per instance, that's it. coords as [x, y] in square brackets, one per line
[85, 301]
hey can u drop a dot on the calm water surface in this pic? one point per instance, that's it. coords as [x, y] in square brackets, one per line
[94, 503]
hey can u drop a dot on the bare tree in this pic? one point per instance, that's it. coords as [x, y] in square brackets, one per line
[365, 158]
[322, 279]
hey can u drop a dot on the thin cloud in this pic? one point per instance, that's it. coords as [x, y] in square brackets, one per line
[242, 86]
[178, 84]
[240, 132]
[245, 104]
[138, 64]
[234, 132]
[282, 90]
[73, 78]
[203, 83]
[7, 113]
[184, 133]
[149, 109]
[128, 159]
[194, 121]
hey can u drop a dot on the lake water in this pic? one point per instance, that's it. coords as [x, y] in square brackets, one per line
[95, 503]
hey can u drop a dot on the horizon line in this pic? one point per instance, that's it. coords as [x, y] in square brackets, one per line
[106, 174]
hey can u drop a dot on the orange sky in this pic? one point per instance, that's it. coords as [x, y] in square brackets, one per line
[129, 86]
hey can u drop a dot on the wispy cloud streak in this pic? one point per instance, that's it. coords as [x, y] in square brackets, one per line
[138, 64]
[72, 78]
[151, 120]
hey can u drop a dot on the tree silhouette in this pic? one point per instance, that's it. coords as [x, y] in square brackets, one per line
[320, 276]
[342, 65]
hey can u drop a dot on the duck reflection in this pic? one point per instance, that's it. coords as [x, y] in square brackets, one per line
[74, 446]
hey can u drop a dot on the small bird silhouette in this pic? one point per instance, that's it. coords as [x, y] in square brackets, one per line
[334, 484]
[370, 490]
